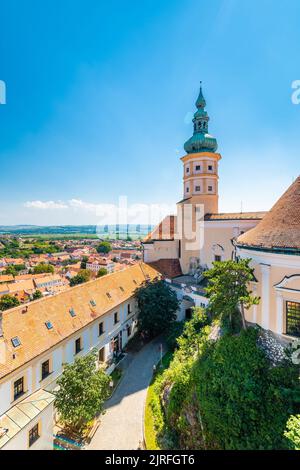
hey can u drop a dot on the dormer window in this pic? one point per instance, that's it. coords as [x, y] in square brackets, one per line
[93, 303]
[72, 312]
[16, 342]
[49, 325]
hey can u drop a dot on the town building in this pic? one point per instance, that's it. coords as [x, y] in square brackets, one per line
[38, 338]
[95, 264]
[274, 248]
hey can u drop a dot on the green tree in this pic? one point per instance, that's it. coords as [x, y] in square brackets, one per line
[37, 295]
[14, 269]
[8, 301]
[228, 288]
[102, 272]
[104, 247]
[83, 276]
[82, 392]
[43, 268]
[157, 305]
[292, 432]
[83, 262]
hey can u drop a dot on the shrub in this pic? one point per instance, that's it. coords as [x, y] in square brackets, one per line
[292, 432]
[240, 396]
[173, 334]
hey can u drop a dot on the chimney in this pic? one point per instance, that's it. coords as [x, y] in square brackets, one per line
[1, 329]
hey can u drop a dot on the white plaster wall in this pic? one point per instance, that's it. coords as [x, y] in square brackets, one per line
[5, 398]
[45, 442]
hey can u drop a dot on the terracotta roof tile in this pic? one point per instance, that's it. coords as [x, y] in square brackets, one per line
[28, 322]
[280, 228]
[236, 216]
[167, 267]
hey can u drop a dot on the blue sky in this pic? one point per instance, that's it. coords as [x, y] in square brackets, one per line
[100, 94]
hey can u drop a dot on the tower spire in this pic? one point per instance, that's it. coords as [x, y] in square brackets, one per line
[200, 103]
[201, 141]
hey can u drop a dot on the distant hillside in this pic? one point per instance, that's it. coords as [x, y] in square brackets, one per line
[106, 230]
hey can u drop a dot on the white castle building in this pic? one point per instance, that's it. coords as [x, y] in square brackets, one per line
[181, 247]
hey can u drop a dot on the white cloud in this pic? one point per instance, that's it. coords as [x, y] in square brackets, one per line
[45, 205]
[99, 213]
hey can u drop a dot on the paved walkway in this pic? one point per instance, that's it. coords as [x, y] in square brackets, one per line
[121, 426]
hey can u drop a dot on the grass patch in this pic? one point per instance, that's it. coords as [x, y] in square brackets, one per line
[150, 428]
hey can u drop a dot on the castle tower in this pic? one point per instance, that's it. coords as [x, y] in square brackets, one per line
[200, 164]
[200, 186]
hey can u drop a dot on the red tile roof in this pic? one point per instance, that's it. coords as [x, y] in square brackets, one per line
[280, 228]
[167, 267]
[235, 216]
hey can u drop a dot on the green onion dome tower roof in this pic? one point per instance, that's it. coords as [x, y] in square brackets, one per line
[201, 140]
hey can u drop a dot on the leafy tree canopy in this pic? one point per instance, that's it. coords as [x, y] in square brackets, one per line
[228, 288]
[82, 392]
[102, 272]
[104, 247]
[37, 295]
[157, 305]
[84, 260]
[292, 432]
[83, 276]
[43, 268]
[8, 301]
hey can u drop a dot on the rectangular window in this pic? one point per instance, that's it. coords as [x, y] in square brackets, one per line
[116, 318]
[33, 434]
[218, 258]
[101, 328]
[101, 355]
[198, 167]
[187, 170]
[210, 167]
[293, 318]
[187, 190]
[197, 188]
[129, 311]
[128, 330]
[18, 388]
[209, 188]
[77, 345]
[45, 369]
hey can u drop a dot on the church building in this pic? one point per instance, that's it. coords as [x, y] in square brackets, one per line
[182, 246]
